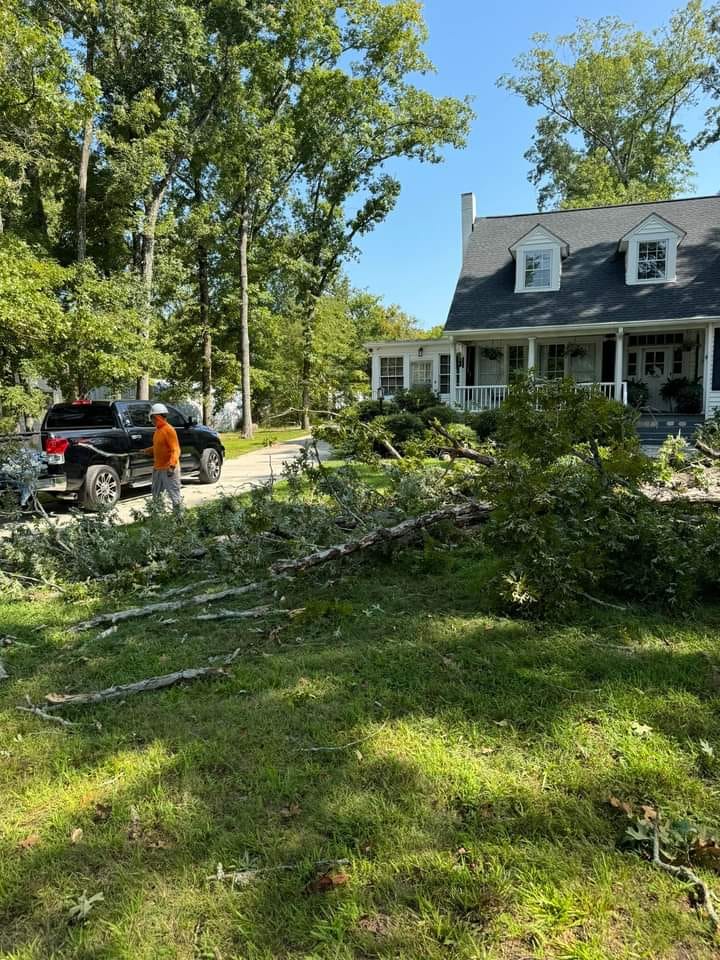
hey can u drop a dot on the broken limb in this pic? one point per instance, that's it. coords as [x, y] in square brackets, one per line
[708, 451]
[252, 614]
[478, 511]
[119, 692]
[44, 715]
[458, 449]
[164, 606]
[703, 892]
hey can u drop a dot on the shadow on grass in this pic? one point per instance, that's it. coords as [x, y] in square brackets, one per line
[500, 738]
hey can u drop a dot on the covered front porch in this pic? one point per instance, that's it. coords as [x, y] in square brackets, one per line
[661, 371]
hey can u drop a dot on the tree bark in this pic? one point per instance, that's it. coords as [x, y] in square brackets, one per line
[152, 211]
[247, 421]
[206, 332]
[307, 340]
[85, 163]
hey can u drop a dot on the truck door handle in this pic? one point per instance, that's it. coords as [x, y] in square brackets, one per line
[136, 436]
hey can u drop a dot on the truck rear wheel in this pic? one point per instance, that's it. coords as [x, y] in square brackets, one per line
[210, 466]
[101, 489]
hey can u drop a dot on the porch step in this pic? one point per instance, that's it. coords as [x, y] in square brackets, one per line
[654, 432]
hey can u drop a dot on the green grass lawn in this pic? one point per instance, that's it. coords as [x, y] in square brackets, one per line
[470, 793]
[235, 445]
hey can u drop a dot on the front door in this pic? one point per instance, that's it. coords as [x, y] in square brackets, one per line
[655, 370]
[140, 430]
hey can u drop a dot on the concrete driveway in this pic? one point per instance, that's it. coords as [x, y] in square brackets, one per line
[238, 474]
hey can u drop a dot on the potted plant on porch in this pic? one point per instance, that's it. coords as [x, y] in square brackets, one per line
[685, 395]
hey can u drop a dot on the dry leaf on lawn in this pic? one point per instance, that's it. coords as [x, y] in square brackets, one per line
[76, 835]
[622, 805]
[326, 882]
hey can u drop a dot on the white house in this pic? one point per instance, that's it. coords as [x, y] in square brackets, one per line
[614, 296]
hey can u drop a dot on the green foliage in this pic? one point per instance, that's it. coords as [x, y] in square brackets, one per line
[548, 421]
[441, 412]
[484, 423]
[638, 393]
[709, 431]
[611, 101]
[415, 399]
[462, 432]
[402, 427]
[686, 395]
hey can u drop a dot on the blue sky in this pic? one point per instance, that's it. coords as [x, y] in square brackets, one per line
[413, 258]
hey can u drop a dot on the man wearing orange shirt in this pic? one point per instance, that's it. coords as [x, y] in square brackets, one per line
[165, 452]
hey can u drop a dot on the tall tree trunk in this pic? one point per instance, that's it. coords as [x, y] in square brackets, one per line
[85, 163]
[38, 217]
[204, 291]
[247, 421]
[152, 211]
[307, 347]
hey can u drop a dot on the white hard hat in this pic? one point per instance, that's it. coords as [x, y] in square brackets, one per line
[158, 409]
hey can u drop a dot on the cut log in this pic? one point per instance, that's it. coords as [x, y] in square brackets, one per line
[479, 511]
[120, 691]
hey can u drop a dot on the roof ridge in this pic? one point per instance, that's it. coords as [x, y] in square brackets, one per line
[606, 206]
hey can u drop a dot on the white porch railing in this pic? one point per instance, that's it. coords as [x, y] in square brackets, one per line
[473, 399]
[480, 398]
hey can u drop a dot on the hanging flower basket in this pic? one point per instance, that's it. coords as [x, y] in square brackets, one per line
[491, 353]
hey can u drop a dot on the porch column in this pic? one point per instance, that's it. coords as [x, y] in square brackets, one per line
[406, 371]
[374, 373]
[619, 364]
[531, 353]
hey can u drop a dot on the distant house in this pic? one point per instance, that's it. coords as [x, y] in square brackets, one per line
[625, 297]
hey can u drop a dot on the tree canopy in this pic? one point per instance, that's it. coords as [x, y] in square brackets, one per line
[612, 101]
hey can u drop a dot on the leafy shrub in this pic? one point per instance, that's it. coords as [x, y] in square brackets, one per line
[685, 395]
[415, 399]
[368, 410]
[484, 423]
[638, 393]
[441, 412]
[403, 427]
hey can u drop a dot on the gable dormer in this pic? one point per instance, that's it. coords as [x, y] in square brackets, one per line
[538, 257]
[651, 250]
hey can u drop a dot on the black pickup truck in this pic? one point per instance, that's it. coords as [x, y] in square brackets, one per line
[95, 449]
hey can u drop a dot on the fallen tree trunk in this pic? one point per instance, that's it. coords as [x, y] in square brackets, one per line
[467, 453]
[120, 691]
[477, 511]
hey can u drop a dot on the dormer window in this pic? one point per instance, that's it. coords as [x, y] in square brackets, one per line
[652, 260]
[538, 260]
[651, 251]
[538, 269]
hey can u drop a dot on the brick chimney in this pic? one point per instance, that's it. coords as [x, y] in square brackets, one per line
[469, 212]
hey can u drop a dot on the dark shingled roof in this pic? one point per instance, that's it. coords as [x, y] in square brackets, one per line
[592, 287]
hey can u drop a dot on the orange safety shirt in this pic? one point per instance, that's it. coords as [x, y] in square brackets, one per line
[165, 448]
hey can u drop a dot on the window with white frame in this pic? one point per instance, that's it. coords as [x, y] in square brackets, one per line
[654, 363]
[652, 259]
[632, 367]
[677, 361]
[391, 374]
[537, 273]
[444, 373]
[555, 365]
[421, 373]
[516, 358]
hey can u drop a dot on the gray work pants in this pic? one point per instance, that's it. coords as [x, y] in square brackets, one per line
[168, 481]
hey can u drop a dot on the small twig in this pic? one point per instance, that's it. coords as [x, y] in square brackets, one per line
[703, 892]
[345, 746]
[43, 715]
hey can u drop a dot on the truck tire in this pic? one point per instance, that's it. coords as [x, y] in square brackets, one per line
[101, 489]
[210, 466]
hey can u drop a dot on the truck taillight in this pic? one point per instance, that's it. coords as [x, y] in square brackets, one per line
[55, 448]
